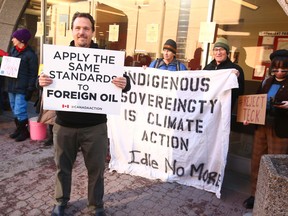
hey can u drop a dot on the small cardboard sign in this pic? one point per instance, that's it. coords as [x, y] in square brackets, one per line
[10, 66]
[252, 108]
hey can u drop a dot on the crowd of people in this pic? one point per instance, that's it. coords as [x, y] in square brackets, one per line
[71, 131]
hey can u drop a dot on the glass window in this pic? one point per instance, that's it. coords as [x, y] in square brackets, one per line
[140, 27]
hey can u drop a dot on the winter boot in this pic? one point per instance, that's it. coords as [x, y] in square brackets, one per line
[24, 133]
[17, 130]
[49, 141]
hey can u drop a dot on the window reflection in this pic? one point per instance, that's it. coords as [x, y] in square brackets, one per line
[140, 27]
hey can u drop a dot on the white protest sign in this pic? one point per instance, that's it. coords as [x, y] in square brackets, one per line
[10, 66]
[82, 79]
[174, 126]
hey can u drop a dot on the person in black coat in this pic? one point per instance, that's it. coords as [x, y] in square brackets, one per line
[271, 138]
[20, 89]
[88, 131]
[222, 61]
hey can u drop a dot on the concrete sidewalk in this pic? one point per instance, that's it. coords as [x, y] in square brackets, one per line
[27, 174]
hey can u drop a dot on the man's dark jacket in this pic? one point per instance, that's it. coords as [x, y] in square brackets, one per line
[27, 74]
[226, 65]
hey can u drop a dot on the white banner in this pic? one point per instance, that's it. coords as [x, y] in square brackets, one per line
[82, 79]
[174, 126]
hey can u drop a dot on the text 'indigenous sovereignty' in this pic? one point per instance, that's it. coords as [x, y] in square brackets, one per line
[82, 79]
[175, 126]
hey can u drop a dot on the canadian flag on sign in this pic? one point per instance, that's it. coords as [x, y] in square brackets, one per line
[65, 106]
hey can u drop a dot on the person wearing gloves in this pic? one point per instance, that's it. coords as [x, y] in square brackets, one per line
[20, 89]
[271, 138]
[169, 61]
[221, 60]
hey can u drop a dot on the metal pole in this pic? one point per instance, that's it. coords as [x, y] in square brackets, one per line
[136, 34]
[159, 52]
[43, 20]
[210, 15]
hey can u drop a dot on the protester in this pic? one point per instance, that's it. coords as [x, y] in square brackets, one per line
[20, 89]
[86, 130]
[271, 138]
[222, 61]
[169, 61]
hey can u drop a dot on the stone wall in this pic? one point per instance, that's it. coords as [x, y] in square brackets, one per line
[272, 186]
[10, 12]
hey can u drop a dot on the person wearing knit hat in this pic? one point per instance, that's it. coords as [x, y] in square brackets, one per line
[222, 42]
[22, 35]
[170, 45]
[271, 138]
[169, 61]
[20, 89]
[221, 60]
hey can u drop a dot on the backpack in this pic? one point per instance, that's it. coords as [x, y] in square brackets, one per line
[158, 61]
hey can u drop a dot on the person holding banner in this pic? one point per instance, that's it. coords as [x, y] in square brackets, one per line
[169, 61]
[74, 130]
[221, 60]
[20, 89]
[271, 138]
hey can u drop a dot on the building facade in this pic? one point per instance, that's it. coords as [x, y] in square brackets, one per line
[254, 28]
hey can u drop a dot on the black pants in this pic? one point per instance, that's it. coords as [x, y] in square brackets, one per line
[93, 142]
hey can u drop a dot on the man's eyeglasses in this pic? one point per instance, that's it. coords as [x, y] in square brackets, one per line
[218, 50]
[275, 70]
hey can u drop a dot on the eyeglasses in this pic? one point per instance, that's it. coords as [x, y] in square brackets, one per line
[218, 50]
[275, 70]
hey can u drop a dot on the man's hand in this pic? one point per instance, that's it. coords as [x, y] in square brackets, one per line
[236, 72]
[120, 82]
[44, 80]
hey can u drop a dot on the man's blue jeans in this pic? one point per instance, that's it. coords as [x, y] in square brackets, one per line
[18, 105]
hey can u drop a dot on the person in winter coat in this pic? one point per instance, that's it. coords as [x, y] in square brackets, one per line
[20, 89]
[222, 61]
[169, 61]
[271, 138]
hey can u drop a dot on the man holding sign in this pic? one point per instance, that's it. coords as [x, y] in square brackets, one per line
[73, 130]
